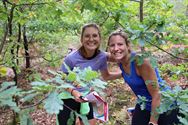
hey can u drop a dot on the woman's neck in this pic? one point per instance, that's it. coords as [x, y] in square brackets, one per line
[88, 54]
[126, 60]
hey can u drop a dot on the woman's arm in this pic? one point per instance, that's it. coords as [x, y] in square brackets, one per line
[73, 92]
[106, 75]
[109, 57]
[148, 74]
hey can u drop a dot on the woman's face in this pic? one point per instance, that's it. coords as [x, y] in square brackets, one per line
[118, 47]
[90, 39]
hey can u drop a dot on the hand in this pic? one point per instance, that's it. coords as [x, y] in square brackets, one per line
[77, 96]
[151, 123]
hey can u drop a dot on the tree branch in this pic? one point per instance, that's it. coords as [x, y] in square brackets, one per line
[105, 19]
[31, 4]
[7, 2]
[186, 59]
[33, 105]
[4, 38]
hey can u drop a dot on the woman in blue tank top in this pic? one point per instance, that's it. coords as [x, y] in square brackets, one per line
[143, 80]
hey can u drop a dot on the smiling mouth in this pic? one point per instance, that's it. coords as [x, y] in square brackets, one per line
[92, 44]
[117, 53]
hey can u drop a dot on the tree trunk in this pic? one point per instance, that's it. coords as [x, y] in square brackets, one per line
[10, 18]
[18, 45]
[4, 38]
[141, 18]
[141, 10]
[27, 57]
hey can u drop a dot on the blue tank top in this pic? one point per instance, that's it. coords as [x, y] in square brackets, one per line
[138, 85]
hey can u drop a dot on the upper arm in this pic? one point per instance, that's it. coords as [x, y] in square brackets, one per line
[68, 62]
[147, 72]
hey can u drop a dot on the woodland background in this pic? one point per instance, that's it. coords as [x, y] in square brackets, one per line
[35, 36]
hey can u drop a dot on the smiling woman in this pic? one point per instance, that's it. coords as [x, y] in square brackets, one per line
[144, 81]
[87, 55]
[90, 40]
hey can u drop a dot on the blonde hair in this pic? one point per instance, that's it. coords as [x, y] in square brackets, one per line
[120, 33]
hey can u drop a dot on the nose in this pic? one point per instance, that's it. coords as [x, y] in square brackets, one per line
[115, 47]
[91, 38]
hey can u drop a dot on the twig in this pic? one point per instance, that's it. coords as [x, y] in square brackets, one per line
[33, 105]
[8, 2]
[105, 19]
[186, 59]
[39, 102]
[31, 4]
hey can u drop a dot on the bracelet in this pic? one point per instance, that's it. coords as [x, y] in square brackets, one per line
[72, 91]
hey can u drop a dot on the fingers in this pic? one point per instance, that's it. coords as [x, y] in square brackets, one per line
[77, 96]
[78, 99]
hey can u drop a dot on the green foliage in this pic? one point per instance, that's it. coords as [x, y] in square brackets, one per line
[142, 101]
[71, 76]
[89, 74]
[171, 99]
[3, 71]
[42, 87]
[71, 119]
[54, 25]
[50, 89]
[180, 51]
[8, 89]
[174, 72]
[53, 104]
[84, 119]
[59, 84]
[177, 98]
[140, 57]
[25, 118]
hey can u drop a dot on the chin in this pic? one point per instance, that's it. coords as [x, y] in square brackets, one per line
[118, 60]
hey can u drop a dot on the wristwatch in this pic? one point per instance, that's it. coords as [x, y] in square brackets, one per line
[151, 123]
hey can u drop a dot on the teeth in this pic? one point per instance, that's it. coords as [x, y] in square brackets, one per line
[117, 54]
[91, 44]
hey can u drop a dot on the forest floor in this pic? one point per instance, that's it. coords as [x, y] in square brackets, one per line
[119, 96]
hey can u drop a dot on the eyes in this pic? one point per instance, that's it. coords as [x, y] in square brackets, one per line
[91, 35]
[115, 44]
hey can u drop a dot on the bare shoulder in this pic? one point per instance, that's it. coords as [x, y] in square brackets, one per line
[145, 67]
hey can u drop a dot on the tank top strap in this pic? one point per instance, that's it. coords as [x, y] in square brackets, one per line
[121, 67]
[132, 66]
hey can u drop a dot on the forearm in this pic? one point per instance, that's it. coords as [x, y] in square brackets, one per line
[69, 90]
[113, 76]
[155, 104]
